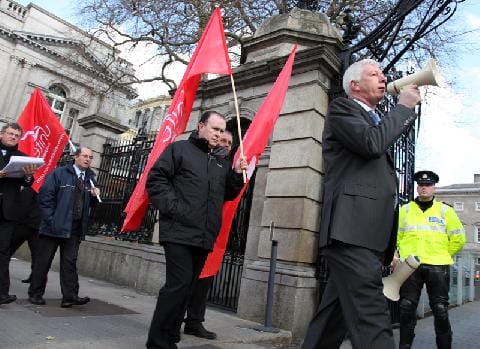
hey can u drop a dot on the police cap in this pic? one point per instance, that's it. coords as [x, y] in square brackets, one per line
[425, 177]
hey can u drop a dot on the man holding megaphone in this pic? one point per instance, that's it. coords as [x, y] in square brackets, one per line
[358, 227]
[431, 230]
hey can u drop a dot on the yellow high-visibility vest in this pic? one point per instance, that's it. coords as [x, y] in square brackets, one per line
[434, 235]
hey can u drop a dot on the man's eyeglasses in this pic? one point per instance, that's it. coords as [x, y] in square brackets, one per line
[12, 134]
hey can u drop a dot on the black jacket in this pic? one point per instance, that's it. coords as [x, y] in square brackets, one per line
[188, 185]
[10, 188]
[29, 212]
[360, 179]
[56, 199]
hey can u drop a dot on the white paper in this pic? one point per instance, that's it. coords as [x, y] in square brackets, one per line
[16, 164]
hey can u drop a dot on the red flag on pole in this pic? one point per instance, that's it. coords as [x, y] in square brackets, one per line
[254, 144]
[43, 135]
[210, 56]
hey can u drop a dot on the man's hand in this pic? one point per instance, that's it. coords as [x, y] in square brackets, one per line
[395, 261]
[95, 191]
[241, 164]
[29, 170]
[3, 174]
[409, 96]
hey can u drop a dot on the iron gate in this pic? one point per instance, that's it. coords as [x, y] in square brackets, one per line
[122, 164]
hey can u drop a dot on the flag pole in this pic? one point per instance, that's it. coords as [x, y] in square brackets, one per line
[238, 124]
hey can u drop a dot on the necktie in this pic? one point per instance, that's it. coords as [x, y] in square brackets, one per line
[374, 116]
[80, 180]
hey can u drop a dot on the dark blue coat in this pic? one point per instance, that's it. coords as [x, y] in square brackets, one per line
[56, 199]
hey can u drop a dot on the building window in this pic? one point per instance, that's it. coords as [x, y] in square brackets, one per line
[477, 206]
[57, 98]
[458, 206]
[137, 118]
[70, 120]
[478, 233]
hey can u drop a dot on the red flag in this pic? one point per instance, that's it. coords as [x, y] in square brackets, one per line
[254, 144]
[43, 135]
[210, 56]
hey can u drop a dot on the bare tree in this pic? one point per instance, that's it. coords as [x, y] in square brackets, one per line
[174, 26]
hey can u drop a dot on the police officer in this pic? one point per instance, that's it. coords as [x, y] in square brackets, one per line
[431, 230]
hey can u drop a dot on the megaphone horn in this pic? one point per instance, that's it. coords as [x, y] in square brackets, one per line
[429, 75]
[393, 282]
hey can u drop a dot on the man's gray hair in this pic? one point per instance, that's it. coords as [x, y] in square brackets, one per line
[354, 73]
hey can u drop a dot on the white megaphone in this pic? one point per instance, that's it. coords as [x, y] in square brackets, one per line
[393, 282]
[427, 76]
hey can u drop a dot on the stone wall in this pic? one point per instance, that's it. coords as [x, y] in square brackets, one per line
[288, 185]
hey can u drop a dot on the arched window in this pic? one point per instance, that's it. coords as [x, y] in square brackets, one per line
[70, 121]
[57, 98]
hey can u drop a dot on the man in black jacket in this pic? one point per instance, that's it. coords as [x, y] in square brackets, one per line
[197, 303]
[357, 232]
[188, 184]
[27, 226]
[9, 202]
[64, 200]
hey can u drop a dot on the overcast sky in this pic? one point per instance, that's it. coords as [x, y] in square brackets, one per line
[449, 138]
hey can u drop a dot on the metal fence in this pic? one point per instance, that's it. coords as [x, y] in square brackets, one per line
[121, 166]
[120, 169]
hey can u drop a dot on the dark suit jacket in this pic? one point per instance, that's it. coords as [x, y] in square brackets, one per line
[10, 188]
[360, 180]
[29, 212]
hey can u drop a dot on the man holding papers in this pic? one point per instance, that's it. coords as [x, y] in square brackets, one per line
[9, 201]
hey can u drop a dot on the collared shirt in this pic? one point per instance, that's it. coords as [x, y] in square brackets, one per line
[78, 171]
[364, 106]
[373, 114]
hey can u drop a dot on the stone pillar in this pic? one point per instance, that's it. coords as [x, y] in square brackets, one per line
[5, 93]
[98, 127]
[288, 182]
[14, 99]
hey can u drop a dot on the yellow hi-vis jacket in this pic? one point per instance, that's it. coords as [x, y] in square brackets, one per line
[434, 235]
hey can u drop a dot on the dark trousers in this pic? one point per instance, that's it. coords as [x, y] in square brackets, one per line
[6, 234]
[437, 280]
[183, 265]
[197, 304]
[47, 246]
[353, 300]
[21, 234]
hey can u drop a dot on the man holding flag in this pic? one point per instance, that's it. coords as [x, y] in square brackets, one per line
[188, 185]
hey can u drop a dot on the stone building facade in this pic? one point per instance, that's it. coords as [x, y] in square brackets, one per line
[465, 199]
[146, 116]
[75, 71]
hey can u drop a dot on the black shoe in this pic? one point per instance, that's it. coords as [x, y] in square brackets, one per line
[67, 303]
[37, 300]
[27, 280]
[199, 331]
[8, 298]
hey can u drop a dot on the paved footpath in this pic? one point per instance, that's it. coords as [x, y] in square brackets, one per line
[118, 318]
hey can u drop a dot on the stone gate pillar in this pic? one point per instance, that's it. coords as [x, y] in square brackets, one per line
[288, 183]
[293, 185]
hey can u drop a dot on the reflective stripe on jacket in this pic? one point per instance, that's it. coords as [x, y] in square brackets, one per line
[434, 235]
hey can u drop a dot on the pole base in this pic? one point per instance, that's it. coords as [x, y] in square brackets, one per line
[268, 329]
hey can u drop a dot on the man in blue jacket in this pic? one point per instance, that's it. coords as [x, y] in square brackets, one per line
[64, 199]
